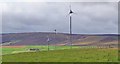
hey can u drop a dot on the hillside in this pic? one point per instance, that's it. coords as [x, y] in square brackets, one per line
[40, 38]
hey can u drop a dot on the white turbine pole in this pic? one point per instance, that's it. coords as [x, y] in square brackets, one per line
[48, 42]
[55, 37]
[70, 19]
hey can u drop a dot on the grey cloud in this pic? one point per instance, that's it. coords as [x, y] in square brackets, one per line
[88, 17]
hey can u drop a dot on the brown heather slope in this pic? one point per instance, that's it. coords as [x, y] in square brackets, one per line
[40, 38]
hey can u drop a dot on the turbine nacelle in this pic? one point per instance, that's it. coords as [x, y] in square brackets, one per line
[71, 12]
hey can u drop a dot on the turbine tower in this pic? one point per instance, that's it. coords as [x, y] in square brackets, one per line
[48, 40]
[70, 20]
[55, 37]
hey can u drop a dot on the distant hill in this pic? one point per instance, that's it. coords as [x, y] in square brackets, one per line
[41, 38]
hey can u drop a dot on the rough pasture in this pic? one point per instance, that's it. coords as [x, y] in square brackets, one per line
[66, 55]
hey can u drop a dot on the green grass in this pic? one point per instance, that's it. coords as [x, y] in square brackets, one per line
[66, 55]
[11, 50]
[26, 49]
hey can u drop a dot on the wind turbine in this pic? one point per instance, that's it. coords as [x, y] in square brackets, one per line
[55, 37]
[70, 20]
[48, 40]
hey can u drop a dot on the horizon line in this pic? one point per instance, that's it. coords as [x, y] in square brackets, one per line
[54, 32]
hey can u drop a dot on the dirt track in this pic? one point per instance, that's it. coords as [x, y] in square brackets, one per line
[12, 46]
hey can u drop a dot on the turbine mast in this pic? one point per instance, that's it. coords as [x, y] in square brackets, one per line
[70, 20]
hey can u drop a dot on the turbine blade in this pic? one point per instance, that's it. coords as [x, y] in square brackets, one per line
[70, 10]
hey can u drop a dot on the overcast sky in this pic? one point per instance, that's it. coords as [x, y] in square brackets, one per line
[89, 18]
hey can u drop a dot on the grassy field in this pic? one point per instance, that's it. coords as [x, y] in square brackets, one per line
[65, 55]
[20, 49]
